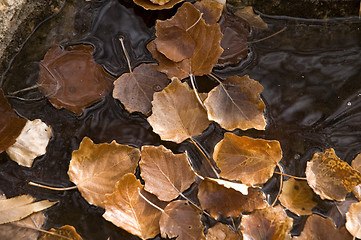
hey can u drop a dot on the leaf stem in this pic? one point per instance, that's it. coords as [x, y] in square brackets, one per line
[148, 201]
[40, 230]
[25, 99]
[52, 188]
[191, 76]
[24, 90]
[200, 17]
[281, 185]
[126, 54]
[287, 175]
[270, 36]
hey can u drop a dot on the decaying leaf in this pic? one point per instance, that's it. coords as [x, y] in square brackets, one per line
[353, 220]
[211, 10]
[320, 228]
[242, 188]
[222, 231]
[254, 20]
[31, 143]
[135, 89]
[10, 124]
[237, 103]
[268, 223]
[65, 232]
[125, 208]
[71, 79]
[160, 168]
[17, 208]
[356, 164]
[219, 200]
[297, 197]
[330, 177]
[150, 5]
[95, 168]
[251, 161]
[181, 220]
[200, 44]
[176, 114]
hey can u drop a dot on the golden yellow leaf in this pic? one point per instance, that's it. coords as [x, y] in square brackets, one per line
[236, 103]
[330, 177]
[251, 161]
[222, 231]
[353, 220]
[356, 164]
[65, 232]
[95, 168]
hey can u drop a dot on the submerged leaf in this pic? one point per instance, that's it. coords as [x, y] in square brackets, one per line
[222, 232]
[353, 220]
[65, 232]
[254, 20]
[71, 79]
[150, 5]
[211, 10]
[95, 168]
[330, 177]
[251, 161]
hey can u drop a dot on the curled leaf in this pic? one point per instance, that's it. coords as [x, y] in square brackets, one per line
[353, 220]
[242, 188]
[222, 231]
[65, 232]
[154, 5]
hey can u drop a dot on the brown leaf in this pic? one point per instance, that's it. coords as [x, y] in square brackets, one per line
[95, 168]
[237, 103]
[71, 79]
[65, 232]
[319, 228]
[297, 197]
[330, 177]
[254, 20]
[356, 164]
[251, 161]
[188, 23]
[353, 220]
[222, 232]
[219, 200]
[10, 124]
[269, 223]
[176, 114]
[211, 9]
[242, 188]
[125, 208]
[135, 89]
[159, 168]
[181, 220]
[149, 5]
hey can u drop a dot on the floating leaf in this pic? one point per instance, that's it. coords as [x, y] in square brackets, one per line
[254, 20]
[176, 114]
[211, 10]
[330, 177]
[17, 208]
[65, 232]
[320, 228]
[267, 223]
[71, 79]
[160, 168]
[237, 103]
[150, 5]
[10, 124]
[222, 231]
[135, 89]
[181, 220]
[95, 168]
[185, 25]
[125, 208]
[251, 161]
[353, 220]
[356, 164]
[31, 143]
[219, 200]
[297, 197]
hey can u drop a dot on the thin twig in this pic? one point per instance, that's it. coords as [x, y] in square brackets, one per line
[270, 36]
[200, 17]
[126, 54]
[24, 90]
[281, 185]
[148, 201]
[52, 188]
[40, 230]
[287, 175]
[191, 76]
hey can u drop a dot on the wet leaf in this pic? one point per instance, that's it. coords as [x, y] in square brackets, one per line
[211, 9]
[254, 20]
[135, 89]
[242, 188]
[320, 228]
[31, 143]
[268, 223]
[176, 114]
[149, 5]
[71, 79]
[95, 168]
[219, 200]
[251, 161]
[330, 177]
[237, 103]
[65, 232]
[181, 220]
[189, 28]
[125, 208]
[339, 209]
[17, 208]
[353, 220]
[160, 168]
[297, 197]
[356, 164]
[10, 124]
[222, 232]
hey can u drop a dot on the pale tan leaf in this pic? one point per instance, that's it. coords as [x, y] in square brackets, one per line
[353, 220]
[242, 188]
[222, 231]
[66, 232]
[356, 164]
[254, 20]
[95, 168]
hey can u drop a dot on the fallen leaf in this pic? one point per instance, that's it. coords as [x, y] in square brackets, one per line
[71, 79]
[222, 231]
[65, 232]
[211, 10]
[242, 188]
[251, 161]
[176, 114]
[319, 228]
[219, 200]
[125, 208]
[95, 168]
[356, 164]
[254, 20]
[338, 211]
[330, 177]
[268, 223]
[297, 197]
[353, 220]
[159, 168]
[135, 89]
[149, 5]
[17, 208]
[237, 103]
[182, 221]
[10, 124]
[31, 143]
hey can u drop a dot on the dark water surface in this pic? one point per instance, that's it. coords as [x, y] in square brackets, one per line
[311, 75]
